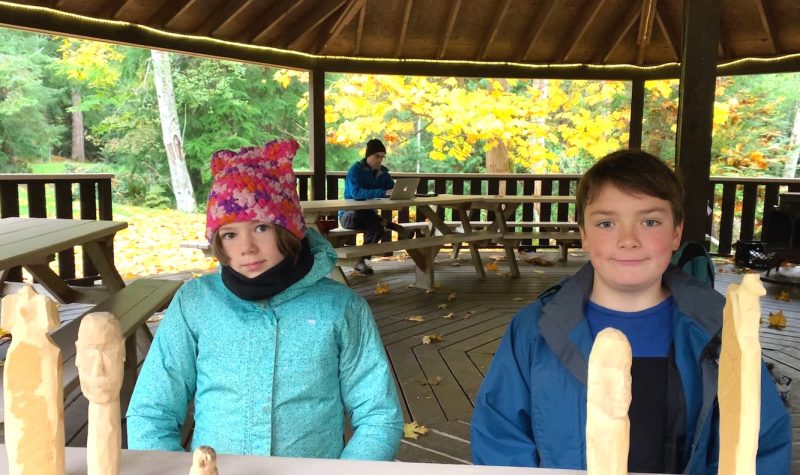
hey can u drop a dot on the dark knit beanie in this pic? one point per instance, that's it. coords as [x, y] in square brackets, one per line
[374, 146]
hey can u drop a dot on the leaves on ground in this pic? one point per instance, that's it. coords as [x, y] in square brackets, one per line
[491, 266]
[783, 296]
[416, 318]
[442, 306]
[430, 381]
[455, 264]
[504, 274]
[430, 291]
[449, 316]
[538, 261]
[381, 287]
[412, 430]
[777, 320]
[451, 297]
[432, 338]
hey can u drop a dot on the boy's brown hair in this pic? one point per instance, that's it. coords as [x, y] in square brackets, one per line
[632, 171]
[288, 245]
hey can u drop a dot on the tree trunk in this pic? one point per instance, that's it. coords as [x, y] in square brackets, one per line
[78, 145]
[497, 162]
[790, 169]
[171, 132]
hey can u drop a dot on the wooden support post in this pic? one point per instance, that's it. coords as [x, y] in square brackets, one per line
[637, 114]
[696, 111]
[316, 122]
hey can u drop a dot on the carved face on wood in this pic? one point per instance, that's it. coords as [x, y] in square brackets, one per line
[100, 357]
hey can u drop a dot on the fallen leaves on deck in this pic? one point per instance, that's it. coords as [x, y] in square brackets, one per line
[451, 297]
[538, 261]
[416, 318]
[442, 306]
[430, 381]
[517, 299]
[381, 287]
[777, 320]
[432, 338]
[449, 316]
[491, 266]
[412, 430]
[783, 296]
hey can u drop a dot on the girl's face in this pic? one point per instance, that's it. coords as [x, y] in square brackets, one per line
[251, 247]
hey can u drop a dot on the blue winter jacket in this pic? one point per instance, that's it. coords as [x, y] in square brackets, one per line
[274, 377]
[531, 408]
[364, 184]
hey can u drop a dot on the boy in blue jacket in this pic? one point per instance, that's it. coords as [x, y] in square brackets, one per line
[369, 179]
[531, 407]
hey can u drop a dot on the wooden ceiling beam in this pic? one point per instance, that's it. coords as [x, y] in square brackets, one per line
[645, 28]
[308, 23]
[360, 30]
[671, 32]
[169, 11]
[111, 9]
[589, 14]
[766, 22]
[348, 13]
[633, 14]
[667, 36]
[448, 29]
[404, 28]
[493, 29]
[223, 17]
[267, 23]
[537, 26]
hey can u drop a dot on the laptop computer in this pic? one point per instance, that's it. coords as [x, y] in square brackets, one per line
[404, 188]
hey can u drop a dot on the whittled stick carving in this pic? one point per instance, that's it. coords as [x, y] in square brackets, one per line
[204, 461]
[100, 359]
[739, 387]
[33, 391]
[608, 400]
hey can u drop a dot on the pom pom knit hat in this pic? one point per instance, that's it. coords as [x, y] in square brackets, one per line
[255, 184]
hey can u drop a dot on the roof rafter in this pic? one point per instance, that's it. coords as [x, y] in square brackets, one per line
[667, 36]
[633, 14]
[766, 22]
[309, 22]
[494, 28]
[589, 15]
[448, 30]
[669, 31]
[169, 11]
[404, 28]
[645, 28]
[111, 9]
[266, 24]
[328, 34]
[223, 17]
[360, 29]
[537, 26]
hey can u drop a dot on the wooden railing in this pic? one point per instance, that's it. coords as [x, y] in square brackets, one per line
[94, 198]
[737, 210]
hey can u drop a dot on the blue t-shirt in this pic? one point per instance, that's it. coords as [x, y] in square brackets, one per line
[649, 331]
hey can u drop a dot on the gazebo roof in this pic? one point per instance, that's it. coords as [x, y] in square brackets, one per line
[536, 38]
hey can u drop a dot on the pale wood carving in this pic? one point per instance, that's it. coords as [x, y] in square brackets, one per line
[100, 358]
[33, 391]
[204, 461]
[608, 399]
[739, 387]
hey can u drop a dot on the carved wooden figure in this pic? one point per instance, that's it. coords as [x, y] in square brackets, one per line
[204, 461]
[608, 399]
[100, 358]
[33, 391]
[739, 388]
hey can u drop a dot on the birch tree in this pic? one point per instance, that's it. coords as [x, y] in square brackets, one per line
[171, 132]
[790, 168]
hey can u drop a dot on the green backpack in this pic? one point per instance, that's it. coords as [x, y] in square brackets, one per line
[694, 259]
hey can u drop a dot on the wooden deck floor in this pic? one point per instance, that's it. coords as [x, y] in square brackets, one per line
[438, 382]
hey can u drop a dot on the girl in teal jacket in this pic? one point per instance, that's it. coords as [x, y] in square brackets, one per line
[273, 353]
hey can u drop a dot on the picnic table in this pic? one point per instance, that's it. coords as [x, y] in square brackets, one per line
[134, 462]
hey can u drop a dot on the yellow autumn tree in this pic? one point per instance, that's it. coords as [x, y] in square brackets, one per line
[540, 123]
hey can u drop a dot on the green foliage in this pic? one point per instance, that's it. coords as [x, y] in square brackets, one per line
[28, 130]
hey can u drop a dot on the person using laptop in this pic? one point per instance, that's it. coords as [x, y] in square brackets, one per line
[369, 179]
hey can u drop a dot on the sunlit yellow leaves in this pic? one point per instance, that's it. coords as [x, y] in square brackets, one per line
[777, 320]
[432, 338]
[381, 287]
[413, 430]
[784, 296]
[90, 62]
[491, 266]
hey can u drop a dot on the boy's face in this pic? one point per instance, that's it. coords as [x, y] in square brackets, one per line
[630, 239]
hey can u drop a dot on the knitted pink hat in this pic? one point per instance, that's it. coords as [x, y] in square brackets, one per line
[255, 184]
